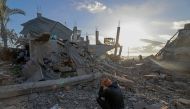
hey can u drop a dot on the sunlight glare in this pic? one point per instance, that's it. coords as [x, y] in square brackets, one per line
[131, 33]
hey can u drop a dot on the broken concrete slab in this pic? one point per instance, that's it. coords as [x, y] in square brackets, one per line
[56, 106]
[150, 76]
[10, 107]
[32, 71]
[154, 106]
[181, 84]
[123, 81]
[140, 105]
[143, 105]
[64, 69]
[32, 87]
[184, 101]
[81, 71]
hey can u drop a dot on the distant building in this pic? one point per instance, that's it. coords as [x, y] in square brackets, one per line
[41, 24]
[177, 50]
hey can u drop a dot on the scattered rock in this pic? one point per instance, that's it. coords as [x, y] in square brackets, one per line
[33, 96]
[67, 88]
[10, 107]
[56, 106]
[140, 105]
[150, 76]
[76, 102]
[1, 105]
[180, 84]
[184, 101]
[133, 99]
[154, 106]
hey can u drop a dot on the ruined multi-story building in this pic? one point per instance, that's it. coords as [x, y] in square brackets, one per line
[177, 49]
[63, 47]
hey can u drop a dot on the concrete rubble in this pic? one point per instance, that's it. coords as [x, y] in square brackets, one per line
[57, 69]
[175, 54]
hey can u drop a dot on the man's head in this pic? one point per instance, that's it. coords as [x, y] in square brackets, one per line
[106, 82]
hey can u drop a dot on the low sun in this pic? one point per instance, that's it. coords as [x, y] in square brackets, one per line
[131, 33]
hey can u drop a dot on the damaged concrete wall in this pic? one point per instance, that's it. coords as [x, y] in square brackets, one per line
[98, 50]
[176, 53]
[178, 49]
[40, 49]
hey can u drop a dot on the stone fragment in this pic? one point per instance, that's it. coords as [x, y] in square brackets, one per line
[10, 107]
[132, 99]
[56, 106]
[184, 101]
[140, 105]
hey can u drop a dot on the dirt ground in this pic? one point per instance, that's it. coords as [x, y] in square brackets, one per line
[153, 88]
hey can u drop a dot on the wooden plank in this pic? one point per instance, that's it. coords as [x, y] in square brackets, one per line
[27, 88]
[124, 81]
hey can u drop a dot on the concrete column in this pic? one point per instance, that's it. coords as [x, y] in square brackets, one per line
[97, 37]
[87, 39]
[117, 40]
[74, 38]
[120, 50]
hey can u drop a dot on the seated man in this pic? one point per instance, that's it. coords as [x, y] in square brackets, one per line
[110, 95]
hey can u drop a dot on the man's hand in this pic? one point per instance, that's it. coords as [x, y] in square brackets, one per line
[104, 87]
[102, 84]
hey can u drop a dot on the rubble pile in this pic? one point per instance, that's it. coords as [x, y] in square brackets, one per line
[58, 69]
[5, 77]
[156, 83]
[153, 88]
[175, 54]
[153, 82]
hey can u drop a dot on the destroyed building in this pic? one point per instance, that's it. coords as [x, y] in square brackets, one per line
[144, 83]
[63, 48]
[177, 49]
[55, 67]
[41, 24]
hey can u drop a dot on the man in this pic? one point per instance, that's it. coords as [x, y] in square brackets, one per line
[110, 95]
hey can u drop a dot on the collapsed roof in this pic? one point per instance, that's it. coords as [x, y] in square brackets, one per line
[41, 24]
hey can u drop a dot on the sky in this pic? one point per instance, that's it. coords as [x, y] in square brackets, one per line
[146, 25]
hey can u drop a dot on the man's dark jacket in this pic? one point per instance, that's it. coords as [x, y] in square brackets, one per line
[113, 97]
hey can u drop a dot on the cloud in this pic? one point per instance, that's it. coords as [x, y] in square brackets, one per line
[145, 50]
[136, 23]
[153, 42]
[161, 37]
[161, 24]
[161, 27]
[179, 24]
[91, 6]
[164, 37]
